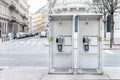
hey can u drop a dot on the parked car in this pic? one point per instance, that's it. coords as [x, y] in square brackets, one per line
[43, 34]
[14, 36]
[36, 33]
[19, 35]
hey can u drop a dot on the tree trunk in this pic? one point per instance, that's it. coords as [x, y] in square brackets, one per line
[112, 30]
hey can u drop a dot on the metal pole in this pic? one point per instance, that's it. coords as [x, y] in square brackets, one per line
[75, 44]
[49, 52]
[100, 32]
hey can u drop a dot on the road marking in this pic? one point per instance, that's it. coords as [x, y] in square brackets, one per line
[7, 59]
[39, 42]
[15, 42]
[31, 44]
[109, 52]
[41, 58]
[27, 42]
[22, 42]
[34, 42]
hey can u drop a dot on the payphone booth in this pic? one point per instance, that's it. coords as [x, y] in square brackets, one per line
[60, 44]
[75, 43]
[90, 44]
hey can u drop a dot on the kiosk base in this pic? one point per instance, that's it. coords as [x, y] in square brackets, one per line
[75, 71]
[91, 71]
[60, 71]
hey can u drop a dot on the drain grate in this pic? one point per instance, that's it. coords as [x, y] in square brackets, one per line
[61, 70]
[89, 71]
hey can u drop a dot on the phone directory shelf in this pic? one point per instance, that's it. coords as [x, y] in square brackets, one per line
[89, 53]
[64, 53]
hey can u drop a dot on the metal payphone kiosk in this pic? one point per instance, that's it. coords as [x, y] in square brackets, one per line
[60, 44]
[75, 45]
[90, 54]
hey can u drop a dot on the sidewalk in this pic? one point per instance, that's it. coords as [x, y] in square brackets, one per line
[5, 41]
[106, 45]
[45, 42]
[41, 73]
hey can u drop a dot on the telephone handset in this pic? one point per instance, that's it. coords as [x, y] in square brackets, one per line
[86, 42]
[60, 42]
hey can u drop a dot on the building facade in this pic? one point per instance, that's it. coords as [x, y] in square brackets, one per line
[40, 20]
[45, 21]
[36, 22]
[13, 16]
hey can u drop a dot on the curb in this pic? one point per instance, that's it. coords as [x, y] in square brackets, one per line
[45, 44]
[111, 48]
[113, 44]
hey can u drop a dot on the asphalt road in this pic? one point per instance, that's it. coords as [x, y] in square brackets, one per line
[111, 58]
[32, 52]
[24, 52]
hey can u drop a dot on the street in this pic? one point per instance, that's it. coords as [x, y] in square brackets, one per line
[24, 52]
[32, 52]
[111, 58]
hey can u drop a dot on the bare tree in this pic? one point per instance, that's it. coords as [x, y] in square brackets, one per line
[99, 8]
[107, 7]
[111, 6]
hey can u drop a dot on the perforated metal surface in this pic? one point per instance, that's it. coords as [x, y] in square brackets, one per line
[61, 70]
